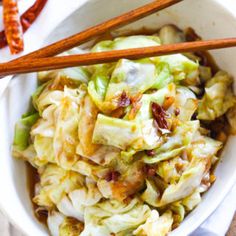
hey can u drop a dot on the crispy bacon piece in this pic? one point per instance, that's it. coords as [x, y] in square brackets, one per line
[13, 29]
[159, 115]
[27, 19]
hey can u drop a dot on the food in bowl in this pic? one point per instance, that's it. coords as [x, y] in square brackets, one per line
[126, 148]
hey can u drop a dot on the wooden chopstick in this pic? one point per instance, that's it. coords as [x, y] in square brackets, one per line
[99, 29]
[50, 63]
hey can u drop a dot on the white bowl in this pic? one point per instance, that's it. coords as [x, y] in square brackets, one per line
[209, 18]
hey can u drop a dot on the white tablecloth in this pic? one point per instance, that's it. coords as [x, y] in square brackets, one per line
[56, 11]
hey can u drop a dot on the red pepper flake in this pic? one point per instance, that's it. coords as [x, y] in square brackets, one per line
[150, 153]
[112, 176]
[136, 105]
[124, 100]
[177, 111]
[159, 115]
[149, 170]
[13, 28]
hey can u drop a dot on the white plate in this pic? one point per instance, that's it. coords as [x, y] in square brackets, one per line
[208, 17]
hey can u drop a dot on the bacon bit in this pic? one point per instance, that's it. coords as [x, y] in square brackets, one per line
[124, 100]
[26, 19]
[159, 115]
[13, 29]
[118, 113]
[177, 111]
[112, 176]
[150, 153]
[168, 102]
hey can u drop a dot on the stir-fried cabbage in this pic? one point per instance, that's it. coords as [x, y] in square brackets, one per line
[54, 184]
[22, 131]
[115, 217]
[126, 42]
[70, 227]
[155, 225]
[189, 181]
[169, 34]
[138, 135]
[218, 97]
[125, 148]
[151, 194]
[176, 143]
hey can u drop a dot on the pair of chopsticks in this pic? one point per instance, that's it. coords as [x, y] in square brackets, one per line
[42, 59]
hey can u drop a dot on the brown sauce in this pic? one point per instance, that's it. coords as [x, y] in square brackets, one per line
[32, 180]
[205, 56]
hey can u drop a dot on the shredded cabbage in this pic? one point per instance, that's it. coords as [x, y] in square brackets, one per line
[125, 148]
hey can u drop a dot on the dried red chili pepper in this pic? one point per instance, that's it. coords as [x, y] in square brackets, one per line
[13, 28]
[149, 170]
[177, 111]
[159, 115]
[27, 18]
[150, 153]
[124, 100]
[3, 40]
